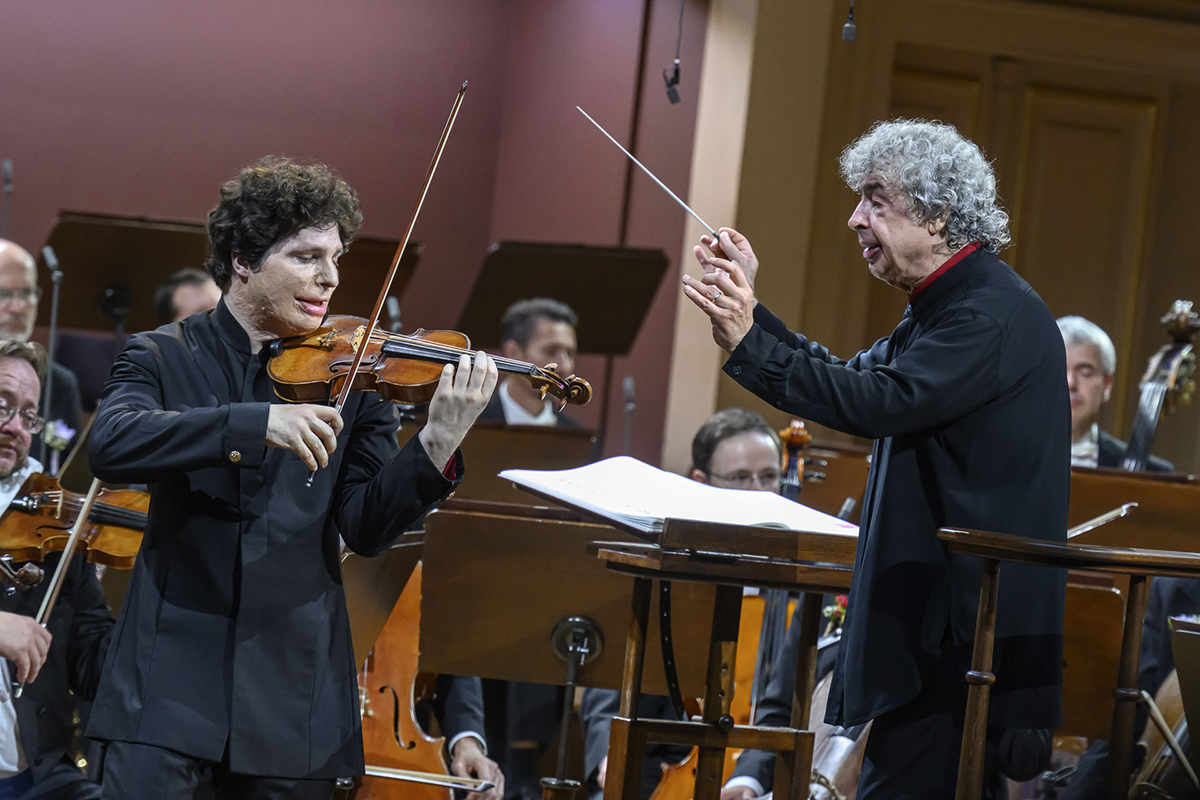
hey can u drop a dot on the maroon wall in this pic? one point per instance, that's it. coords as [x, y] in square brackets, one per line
[143, 108]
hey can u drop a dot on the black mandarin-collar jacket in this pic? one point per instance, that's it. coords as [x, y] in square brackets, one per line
[967, 401]
[234, 629]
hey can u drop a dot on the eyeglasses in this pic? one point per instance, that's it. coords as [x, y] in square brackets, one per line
[767, 479]
[30, 421]
[26, 295]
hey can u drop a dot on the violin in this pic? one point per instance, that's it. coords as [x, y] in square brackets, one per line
[403, 368]
[38, 522]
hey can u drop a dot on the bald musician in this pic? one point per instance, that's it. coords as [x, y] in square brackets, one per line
[19, 295]
[231, 669]
[37, 729]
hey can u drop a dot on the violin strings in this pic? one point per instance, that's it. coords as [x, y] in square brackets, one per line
[448, 351]
[103, 512]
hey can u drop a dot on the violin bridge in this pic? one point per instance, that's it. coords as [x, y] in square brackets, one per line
[359, 333]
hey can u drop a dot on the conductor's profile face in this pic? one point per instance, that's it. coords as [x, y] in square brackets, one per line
[894, 243]
[288, 293]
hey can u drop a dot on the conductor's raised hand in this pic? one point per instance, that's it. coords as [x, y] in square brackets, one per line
[730, 246]
[724, 293]
[462, 394]
[25, 643]
[309, 431]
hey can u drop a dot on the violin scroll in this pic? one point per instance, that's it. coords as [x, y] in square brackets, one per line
[571, 390]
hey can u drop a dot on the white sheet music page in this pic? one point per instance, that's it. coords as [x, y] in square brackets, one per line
[635, 493]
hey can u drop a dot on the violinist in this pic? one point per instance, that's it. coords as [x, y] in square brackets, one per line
[969, 412]
[19, 294]
[231, 668]
[1091, 362]
[733, 449]
[37, 728]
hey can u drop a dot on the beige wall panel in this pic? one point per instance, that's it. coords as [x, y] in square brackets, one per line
[1082, 208]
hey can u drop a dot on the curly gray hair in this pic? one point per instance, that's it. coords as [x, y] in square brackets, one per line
[944, 175]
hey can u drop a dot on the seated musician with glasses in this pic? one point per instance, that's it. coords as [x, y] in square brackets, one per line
[65, 656]
[734, 449]
[19, 294]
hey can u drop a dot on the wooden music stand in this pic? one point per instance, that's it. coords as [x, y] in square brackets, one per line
[98, 251]
[996, 548]
[1165, 518]
[731, 557]
[493, 446]
[373, 585]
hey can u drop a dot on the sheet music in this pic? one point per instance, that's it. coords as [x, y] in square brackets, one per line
[629, 491]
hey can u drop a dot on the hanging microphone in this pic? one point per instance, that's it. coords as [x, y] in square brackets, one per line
[671, 78]
[848, 30]
[6, 175]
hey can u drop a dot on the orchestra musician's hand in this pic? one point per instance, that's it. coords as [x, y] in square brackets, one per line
[24, 643]
[725, 294]
[462, 394]
[309, 431]
[601, 772]
[737, 793]
[470, 762]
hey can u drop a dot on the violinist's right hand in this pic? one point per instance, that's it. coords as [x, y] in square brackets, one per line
[24, 643]
[737, 793]
[309, 431]
[469, 761]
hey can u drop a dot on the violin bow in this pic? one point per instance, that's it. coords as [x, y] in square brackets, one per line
[60, 573]
[344, 394]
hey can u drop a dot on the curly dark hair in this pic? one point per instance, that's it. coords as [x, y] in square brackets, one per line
[270, 201]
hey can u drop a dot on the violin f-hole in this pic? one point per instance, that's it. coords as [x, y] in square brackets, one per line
[396, 718]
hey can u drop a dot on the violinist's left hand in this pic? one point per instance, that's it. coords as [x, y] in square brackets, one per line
[470, 762]
[461, 396]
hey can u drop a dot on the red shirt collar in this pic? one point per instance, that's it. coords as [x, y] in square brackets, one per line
[933, 276]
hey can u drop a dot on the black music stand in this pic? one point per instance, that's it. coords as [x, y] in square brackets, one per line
[610, 288]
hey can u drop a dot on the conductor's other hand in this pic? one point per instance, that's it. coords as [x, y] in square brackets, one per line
[470, 762]
[24, 643]
[736, 793]
[307, 430]
[724, 293]
[732, 246]
[462, 394]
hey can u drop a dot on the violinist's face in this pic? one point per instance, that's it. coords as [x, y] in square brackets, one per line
[288, 295]
[20, 390]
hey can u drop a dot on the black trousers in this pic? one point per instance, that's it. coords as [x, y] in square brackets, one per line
[137, 771]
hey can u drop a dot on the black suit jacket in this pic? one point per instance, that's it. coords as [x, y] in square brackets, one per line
[233, 636]
[81, 628]
[970, 413]
[1112, 453]
[66, 406]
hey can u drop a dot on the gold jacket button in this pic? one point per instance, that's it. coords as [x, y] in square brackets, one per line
[235, 456]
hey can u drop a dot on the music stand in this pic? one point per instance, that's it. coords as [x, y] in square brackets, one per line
[372, 586]
[102, 251]
[578, 275]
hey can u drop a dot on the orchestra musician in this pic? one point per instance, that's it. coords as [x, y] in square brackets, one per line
[38, 727]
[188, 291]
[1091, 363]
[540, 331]
[19, 295]
[969, 412]
[231, 667]
[733, 449]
